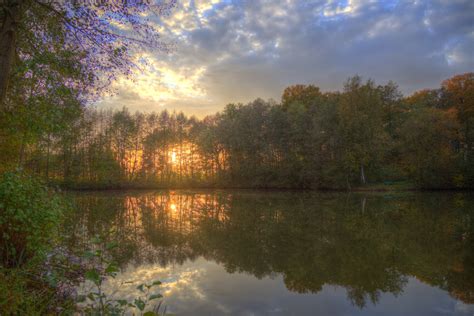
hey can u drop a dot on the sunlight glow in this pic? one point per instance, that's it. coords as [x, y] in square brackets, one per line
[156, 82]
[178, 162]
[173, 207]
[173, 157]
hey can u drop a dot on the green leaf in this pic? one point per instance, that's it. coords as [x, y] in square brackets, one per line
[139, 304]
[112, 269]
[111, 245]
[122, 302]
[93, 275]
[155, 296]
[140, 287]
[156, 283]
[149, 313]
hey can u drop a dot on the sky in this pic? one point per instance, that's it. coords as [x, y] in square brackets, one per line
[230, 51]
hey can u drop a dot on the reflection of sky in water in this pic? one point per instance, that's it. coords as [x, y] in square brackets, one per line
[351, 250]
[204, 288]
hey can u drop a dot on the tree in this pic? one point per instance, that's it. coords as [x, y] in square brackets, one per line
[429, 156]
[391, 102]
[458, 93]
[92, 30]
[55, 54]
[361, 130]
[424, 98]
[10, 16]
[304, 94]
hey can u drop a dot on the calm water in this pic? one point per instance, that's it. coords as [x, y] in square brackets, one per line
[280, 253]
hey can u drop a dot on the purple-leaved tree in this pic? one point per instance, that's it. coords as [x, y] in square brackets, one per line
[100, 36]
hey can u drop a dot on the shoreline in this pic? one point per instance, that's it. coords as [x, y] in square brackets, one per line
[370, 189]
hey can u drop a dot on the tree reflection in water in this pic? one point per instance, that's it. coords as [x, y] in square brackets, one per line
[369, 244]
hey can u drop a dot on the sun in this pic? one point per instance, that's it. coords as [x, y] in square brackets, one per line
[173, 157]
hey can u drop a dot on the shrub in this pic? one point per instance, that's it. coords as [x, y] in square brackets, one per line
[29, 218]
[96, 302]
[22, 294]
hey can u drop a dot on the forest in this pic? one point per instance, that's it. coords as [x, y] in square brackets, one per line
[364, 134]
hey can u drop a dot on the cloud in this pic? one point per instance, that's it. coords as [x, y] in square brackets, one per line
[235, 51]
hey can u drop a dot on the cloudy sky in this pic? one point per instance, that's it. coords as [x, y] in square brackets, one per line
[235, 51]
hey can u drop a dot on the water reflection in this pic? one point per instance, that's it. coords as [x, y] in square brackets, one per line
[368, 245]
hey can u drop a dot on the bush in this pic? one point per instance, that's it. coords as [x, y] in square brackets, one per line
[29, 218]
[22, 294]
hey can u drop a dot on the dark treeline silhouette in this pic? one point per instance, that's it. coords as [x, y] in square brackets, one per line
[369, 244]
[365, 134]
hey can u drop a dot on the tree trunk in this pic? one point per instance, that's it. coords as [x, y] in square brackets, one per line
[22, 150]
[8, 33]
[47, 157]
[363, 180]
[468, 141]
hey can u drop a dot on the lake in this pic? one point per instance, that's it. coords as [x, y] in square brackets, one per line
[287, 253]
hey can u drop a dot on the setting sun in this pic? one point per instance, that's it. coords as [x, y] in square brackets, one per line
[173, 207]
[173, 157]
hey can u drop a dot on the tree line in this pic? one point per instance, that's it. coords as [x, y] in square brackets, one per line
[58, 56]
[364, 134]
